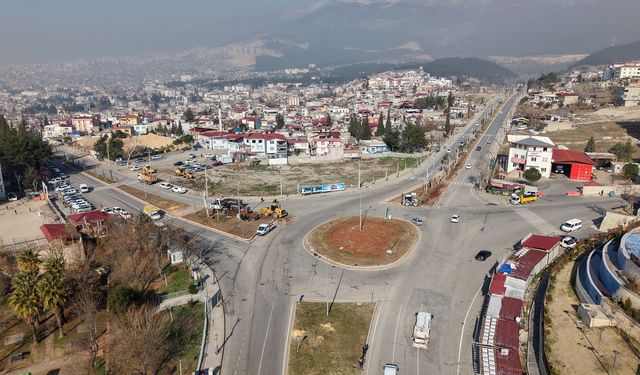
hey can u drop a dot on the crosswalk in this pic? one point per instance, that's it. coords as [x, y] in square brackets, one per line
[420, 178]
[536, 220]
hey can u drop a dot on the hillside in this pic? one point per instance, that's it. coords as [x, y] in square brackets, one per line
[484, 70]
[610, 55]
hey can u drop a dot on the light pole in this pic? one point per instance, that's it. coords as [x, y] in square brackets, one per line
[615, 356]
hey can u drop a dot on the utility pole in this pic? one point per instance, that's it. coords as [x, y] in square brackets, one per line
[206, 191]
[238, 201]
[358, 175]
[615, 356]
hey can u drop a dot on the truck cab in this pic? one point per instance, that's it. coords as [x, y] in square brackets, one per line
[422, 330]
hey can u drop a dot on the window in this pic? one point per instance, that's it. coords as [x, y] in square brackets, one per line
[543, 169]
[533, 159]
[544, 149]
[514, 165]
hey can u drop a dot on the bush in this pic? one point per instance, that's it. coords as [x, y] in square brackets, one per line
[120, 297]
[193, 289]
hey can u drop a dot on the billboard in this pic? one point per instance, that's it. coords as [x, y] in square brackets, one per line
[326, 188]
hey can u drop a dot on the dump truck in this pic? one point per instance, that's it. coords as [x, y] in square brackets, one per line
[147, 178]
[182, 172]
[274, 210]
[422, 330]
[517, 199]
[152, 212]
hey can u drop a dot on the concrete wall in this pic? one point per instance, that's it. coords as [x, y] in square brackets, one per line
[587, 280]
[555, 126]
[606, 274]
[622, 321]
[618, 189]
[581, 291]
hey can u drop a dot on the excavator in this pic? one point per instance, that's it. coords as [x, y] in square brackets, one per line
[183, 173]
[274, 210]
[148, 169]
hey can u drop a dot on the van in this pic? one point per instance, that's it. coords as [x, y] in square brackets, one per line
[390, 369]
[84, 188]
[571, 225]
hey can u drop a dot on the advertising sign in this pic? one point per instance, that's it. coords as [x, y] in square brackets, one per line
[326, 188]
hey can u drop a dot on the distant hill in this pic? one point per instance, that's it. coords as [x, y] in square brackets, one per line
[484, 70]
[610, 55]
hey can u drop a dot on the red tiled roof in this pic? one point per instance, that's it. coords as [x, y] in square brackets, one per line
[507, 332]
[570, 156]
[527, 263]
[537, 241]
[272, 136]
[508, 364]
[57, 231]
[511, 308]
[496, 287]
[88, 216]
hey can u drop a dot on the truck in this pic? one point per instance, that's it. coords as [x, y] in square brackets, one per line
[273, 210]
[147, 178]
[410, 199]
[517, 199]
[149, 169]
[152, 212]
[421, 330]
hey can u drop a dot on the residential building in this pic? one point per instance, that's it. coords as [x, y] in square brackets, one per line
[92, 223]
[56, 131]
[622, 71]
[86, 123]
[276, 146]
[530, 152]
[373, 146]
[629, 95]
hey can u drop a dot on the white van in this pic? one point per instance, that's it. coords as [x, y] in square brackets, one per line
[84, 188]
[390, 369]
[571, 225]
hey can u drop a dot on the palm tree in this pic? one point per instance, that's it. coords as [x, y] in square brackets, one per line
[24, 301]
[52, 290]
[29, 261]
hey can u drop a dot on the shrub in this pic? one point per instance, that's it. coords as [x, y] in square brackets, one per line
[193, 289]
[120, 298]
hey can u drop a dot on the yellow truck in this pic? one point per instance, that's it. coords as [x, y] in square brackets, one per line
[152, 212]
[147, 178]
[274, 210]
[183, 173]
[522, 199]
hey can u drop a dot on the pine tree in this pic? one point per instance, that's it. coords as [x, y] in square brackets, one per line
[366, 129]
[591, 145]
[354, 128]
[380, 129]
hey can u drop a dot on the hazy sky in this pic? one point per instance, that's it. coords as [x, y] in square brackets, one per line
[41, 30]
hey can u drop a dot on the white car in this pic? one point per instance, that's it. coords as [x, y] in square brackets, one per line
[569, 242]
[165, 185]
[109, 210]
[209, 155]
[135, 167]
[117, 209]
[179, 190]
[448, 149]
[468, 166]
[124, 214]
[264, 229]
[455, 218]
[84, 188]
[189, 161]
[156, 157]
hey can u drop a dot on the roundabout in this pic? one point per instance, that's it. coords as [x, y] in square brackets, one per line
[374, 243]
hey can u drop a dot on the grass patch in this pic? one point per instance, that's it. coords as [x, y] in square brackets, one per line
[177, 281]
[334, 343]
[156, 200]
[195, 311]
[100, 177]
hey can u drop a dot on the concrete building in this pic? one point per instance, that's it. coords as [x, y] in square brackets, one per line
[629, 95]
[530, 152]
[622, 71]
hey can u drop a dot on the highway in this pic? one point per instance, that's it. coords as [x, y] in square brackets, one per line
[262, 280]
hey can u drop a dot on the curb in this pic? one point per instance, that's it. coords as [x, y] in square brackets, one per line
[331, 262]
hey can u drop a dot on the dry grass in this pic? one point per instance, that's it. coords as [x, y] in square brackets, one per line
[165, 204]
[228, 224]
[333, 343]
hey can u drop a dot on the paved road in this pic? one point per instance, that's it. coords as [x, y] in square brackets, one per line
[261, 280]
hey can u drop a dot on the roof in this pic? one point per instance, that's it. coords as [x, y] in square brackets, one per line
[497, 284]
[511, 308]
[507, 362]
[526, 263]
[570, 157]
[529, 140]
[537, 241]
[88, 216]
[533, 142]
[57, 231]
[507, 332]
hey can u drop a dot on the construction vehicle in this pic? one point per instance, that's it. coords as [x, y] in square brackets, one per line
[152, 212]
[274, 210]
[148, 169]
[182, 172]
[422, 330]
[517, 199]
[147, 178]
[410, 199]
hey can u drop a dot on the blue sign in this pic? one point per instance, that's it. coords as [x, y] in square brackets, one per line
[326, 188]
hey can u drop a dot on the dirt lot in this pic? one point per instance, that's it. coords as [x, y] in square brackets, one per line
[606, 135]
[333, 343]
[148, 140]
[229, 224]
[341, 240]
[165, 204]
[264, 180]
[574, 352]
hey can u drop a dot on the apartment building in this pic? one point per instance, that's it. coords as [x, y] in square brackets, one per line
[530, 152]
[622, 71]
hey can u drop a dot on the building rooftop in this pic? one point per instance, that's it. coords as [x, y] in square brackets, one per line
[536, 241]
[570, 156]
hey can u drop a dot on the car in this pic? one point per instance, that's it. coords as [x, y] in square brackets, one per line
[189, 161]
[448, 149]
[488, 141]
[108, 210]
[139, 160]
[165, 185]
[84, 188]
[390, 369]
[135, 167]
[209, 155]
[12, 197]
[155, 215]
[178, 189]
[192, 156]
[417, 221]
[55, 180]
[117, 209]
[455, 218]
[468, 166]
[569, 242]
[125, 215]
[478, 148]
[61, 188]
[84, 209]
[178, 163]
[63, 176]
[55, 170]
[265, 228]
[571, 225]
[69, 191]
[156, 157]
[483, 255]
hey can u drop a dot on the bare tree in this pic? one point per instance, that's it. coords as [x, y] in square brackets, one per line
[86, 304]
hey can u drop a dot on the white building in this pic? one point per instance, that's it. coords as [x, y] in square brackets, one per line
[56, 131]
[622, 71]
[530, 152]
[630, 95]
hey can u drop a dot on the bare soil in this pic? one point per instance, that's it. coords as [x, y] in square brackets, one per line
[165, 204]
[230, 224]
[572, 351]
[342, 241]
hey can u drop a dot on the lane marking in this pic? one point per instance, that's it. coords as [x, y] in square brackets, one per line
[462, 331]
[266, 335]
[373, 334]
[285, 362]
[395, 337]
[417, 361]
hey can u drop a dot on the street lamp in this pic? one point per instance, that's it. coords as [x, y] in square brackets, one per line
[615, 356]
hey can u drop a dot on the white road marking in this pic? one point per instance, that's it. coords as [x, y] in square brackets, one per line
[535, 220]
[395, 337]
[266, 335]
[373, 334]
[417, 361]
[462, 331]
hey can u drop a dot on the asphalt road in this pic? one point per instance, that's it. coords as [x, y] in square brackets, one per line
[262, 280]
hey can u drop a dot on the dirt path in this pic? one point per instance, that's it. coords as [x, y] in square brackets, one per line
[574, 351]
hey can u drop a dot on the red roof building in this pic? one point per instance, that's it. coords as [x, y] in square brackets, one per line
[528, 264]
[510, 308]
[538, 242]
[507, 334]
[58, 232]
[496, 287]
[576, 165]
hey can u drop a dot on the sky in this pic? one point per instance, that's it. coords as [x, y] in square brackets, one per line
[33, 31]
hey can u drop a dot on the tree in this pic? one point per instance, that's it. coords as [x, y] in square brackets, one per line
[85, 304]
[24, 301]
[279, 121]
[413, 138]
[391, 135]
[623, 152]
[447, 126]
[630, 170]
[189, 116]
[354, 127]
[591, 145]
[120, 298]
[380, 129]
[29, 261]
[52, 290]
[329, 120]
[532, 175]
[365, 128]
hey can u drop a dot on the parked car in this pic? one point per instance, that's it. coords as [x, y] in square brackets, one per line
[390, 369]
[571, 225]
[135, 167]
[468, 166]
[12, 197]
[448, 149]
[179, 190]
[125, 215]
[209, 155]
[569, 242]
[108, 210]
[483, 255]
[178, 163]
[265, 228]
[165, 185]
[117, 209]
[156, 157]
[455, 218]
[417, 221]
[189, 161]
[478, 148]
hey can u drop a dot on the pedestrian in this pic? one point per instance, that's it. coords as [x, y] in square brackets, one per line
[15, 211]
[261, 200]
